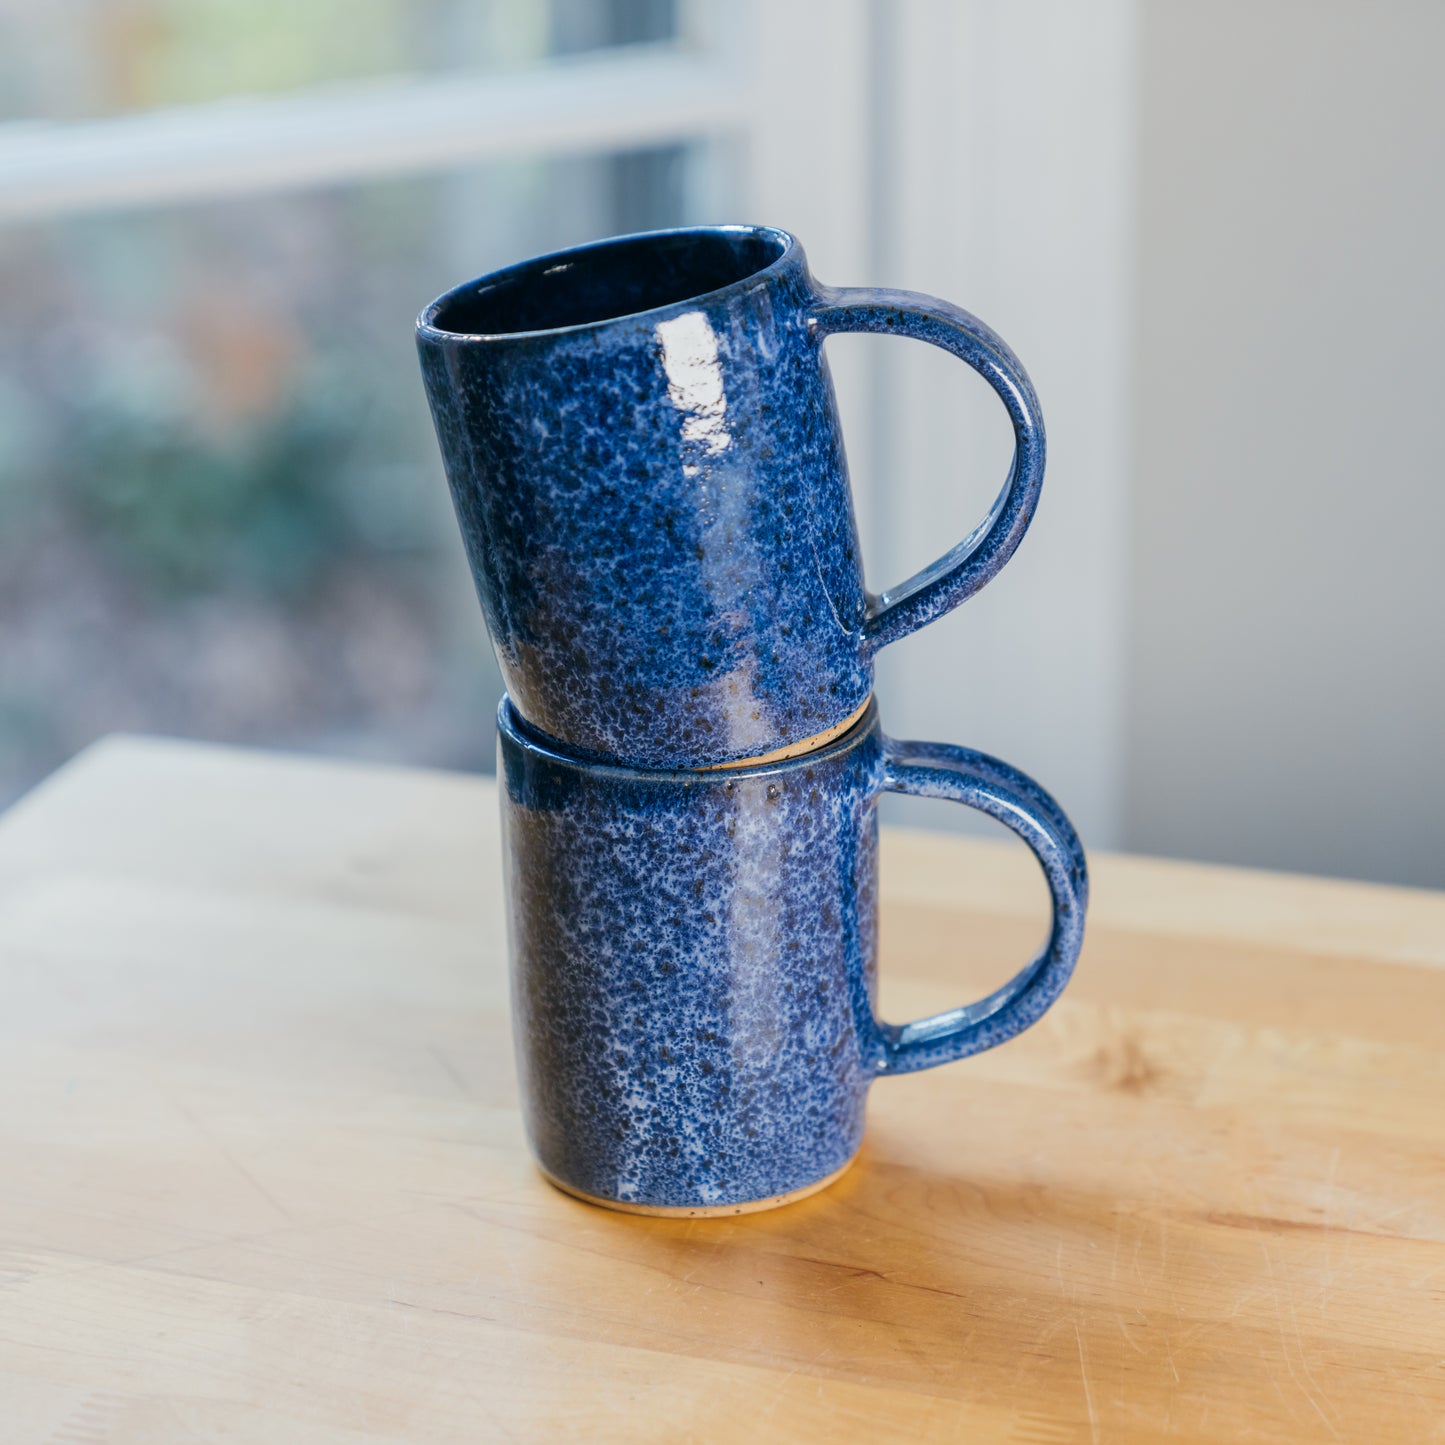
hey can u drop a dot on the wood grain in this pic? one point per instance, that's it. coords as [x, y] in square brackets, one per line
[262, 1177]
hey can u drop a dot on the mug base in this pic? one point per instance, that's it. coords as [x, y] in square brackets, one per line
[700, 1211]
[797, 749]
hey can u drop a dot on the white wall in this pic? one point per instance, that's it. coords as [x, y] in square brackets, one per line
[1287, 640]
[1003, 182]
[1213, 234]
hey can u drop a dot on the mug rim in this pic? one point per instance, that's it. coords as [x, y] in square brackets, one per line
[509, 717]
[427, 328]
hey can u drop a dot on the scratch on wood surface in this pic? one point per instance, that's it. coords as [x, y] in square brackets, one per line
[776, 1394]
[1305, 1366]
[1421, 1281]
[204, 1131]
[1088, 1394]
[1299, 1344]
[450, 1070]
[1202, 1091]
[472, 1315]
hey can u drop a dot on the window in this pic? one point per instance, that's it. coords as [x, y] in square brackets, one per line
[222, 513]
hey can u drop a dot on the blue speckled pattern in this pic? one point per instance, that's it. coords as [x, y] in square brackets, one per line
[693, 958]
[645, 456]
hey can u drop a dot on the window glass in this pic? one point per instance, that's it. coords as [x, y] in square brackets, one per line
[222, 513]
[72, 59]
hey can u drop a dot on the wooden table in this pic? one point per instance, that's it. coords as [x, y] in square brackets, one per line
[262, 1177]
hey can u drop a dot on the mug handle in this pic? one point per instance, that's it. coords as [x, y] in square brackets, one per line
[959, 573]
[938, 770]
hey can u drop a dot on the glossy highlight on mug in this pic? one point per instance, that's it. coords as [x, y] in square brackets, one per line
[694, 957]
[645, 455]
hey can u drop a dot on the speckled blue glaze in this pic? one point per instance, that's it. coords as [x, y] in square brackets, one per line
[645, 456]
[693, 958]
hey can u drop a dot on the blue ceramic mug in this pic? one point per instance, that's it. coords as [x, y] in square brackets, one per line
[645, 456]
[693, 961]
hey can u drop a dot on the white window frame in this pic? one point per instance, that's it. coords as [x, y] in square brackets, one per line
[601, 101]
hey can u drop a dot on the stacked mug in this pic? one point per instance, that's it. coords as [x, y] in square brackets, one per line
[643, 448]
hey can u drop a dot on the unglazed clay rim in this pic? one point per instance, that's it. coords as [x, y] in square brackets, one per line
[700, 1211]
[512, 726]
[426, 323]
[796, 750]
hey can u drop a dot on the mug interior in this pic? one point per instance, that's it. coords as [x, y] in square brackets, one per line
[606, 281]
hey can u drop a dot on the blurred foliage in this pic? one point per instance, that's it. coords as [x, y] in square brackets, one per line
[244, 424]
[221, 506]
[67, 59]
[263, 510]
[63, 59]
